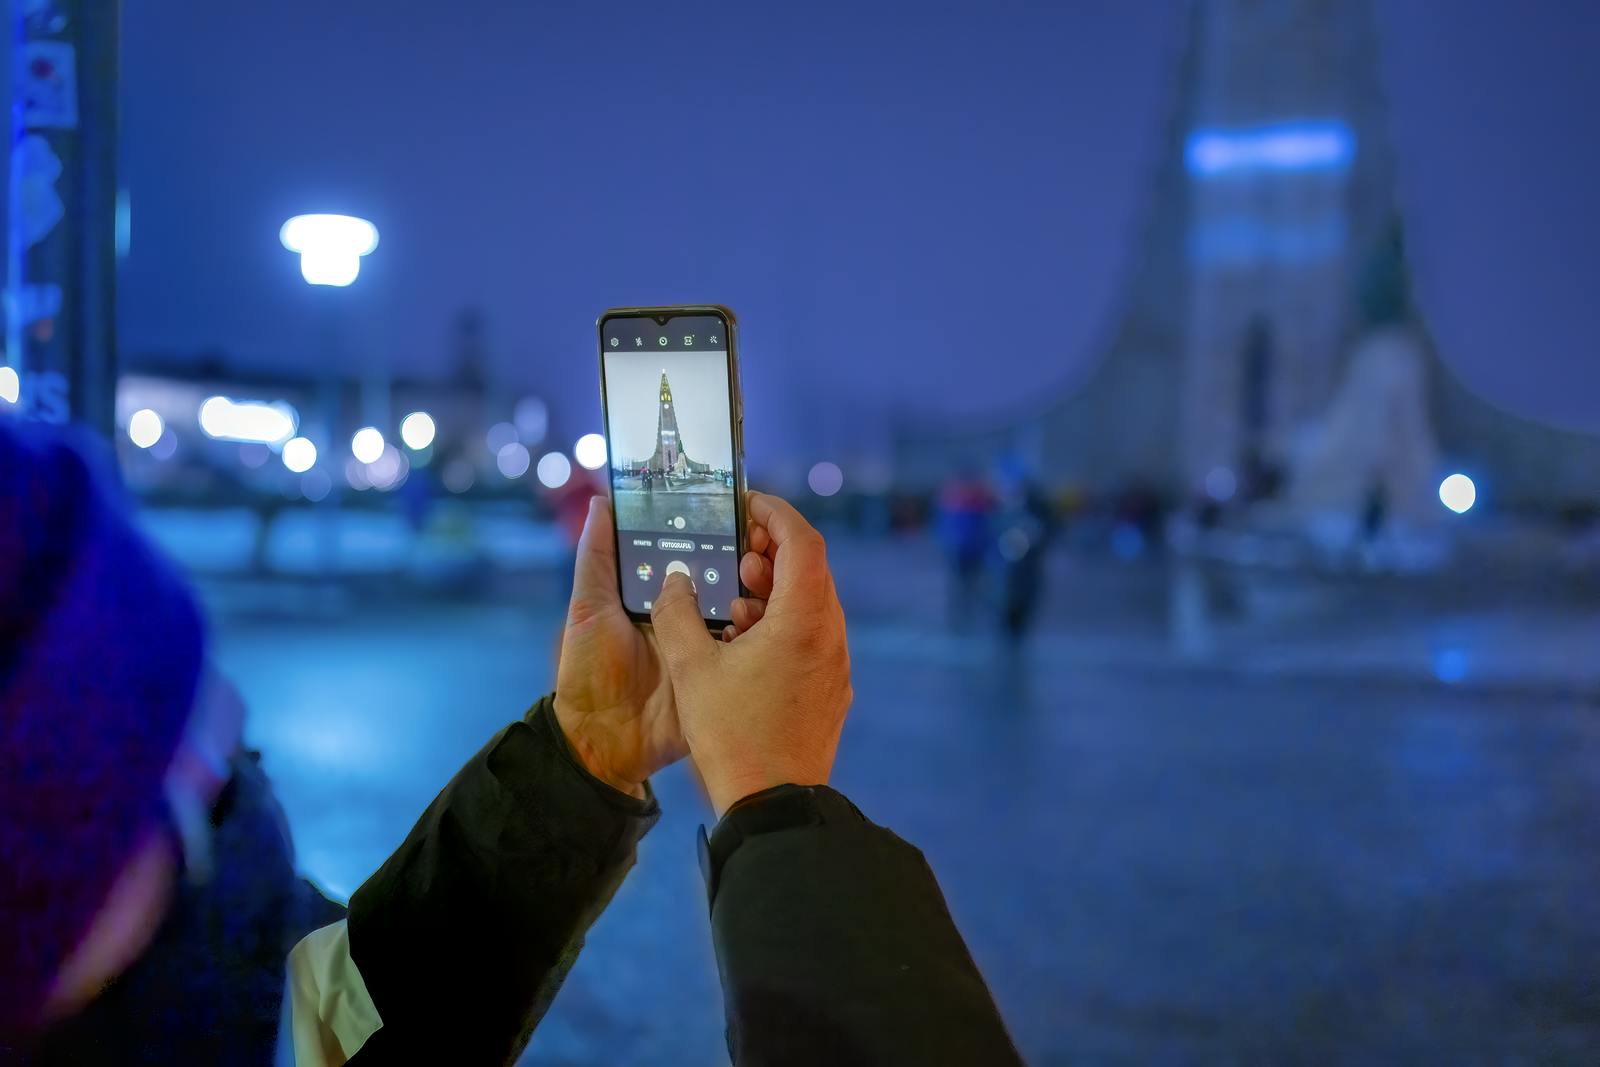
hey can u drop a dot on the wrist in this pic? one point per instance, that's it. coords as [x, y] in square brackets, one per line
[591, 754]
[727, 790]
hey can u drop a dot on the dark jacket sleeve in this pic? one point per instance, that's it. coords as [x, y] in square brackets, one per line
[465, 934]
[835, 945]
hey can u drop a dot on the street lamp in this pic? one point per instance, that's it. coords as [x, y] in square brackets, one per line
[330, 246]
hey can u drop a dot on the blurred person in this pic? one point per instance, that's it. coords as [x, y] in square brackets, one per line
[962, 524]
[1026, 526]
[139, 843]
[149, 909]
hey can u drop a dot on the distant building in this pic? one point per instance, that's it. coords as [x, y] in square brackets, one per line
[1267, 225]
[670, 455]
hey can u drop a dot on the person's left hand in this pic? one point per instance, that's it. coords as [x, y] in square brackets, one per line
[613, 700]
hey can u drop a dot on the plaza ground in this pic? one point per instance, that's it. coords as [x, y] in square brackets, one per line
[705, 507]
[1345, 823]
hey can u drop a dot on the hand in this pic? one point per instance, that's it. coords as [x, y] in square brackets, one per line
[613, 700]
[764, 707]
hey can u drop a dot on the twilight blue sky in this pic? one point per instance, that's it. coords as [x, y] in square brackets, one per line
[875, 188]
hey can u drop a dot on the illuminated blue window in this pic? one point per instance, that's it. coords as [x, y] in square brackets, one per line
[1324, 145]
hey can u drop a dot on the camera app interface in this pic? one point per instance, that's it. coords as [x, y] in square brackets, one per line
[669, 428]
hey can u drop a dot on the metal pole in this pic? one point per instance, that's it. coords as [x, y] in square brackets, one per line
[61, 284]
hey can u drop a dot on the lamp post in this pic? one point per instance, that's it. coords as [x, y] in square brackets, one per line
[330, 248]
[60, 350]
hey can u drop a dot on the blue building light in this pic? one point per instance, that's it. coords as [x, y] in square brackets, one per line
[1318, 145]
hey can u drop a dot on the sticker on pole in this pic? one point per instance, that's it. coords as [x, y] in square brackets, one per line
[48, 85]
[35, 168]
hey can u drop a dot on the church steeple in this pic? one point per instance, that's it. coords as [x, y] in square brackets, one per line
[668, 447]
[669, 455]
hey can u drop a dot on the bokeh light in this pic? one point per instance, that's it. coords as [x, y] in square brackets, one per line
[367, 444]
[590, 451]
[1221, 484]
[532, 418]
[1458, 493]
[144, 427]
[825, 478]
[458, 476]
[500, 435]
[10, 385]
[247, 420]
[316, 485]
[513, 459]
[299, 454]
[1450, 665]
[554, 470]
[417, 430]
[389, 470]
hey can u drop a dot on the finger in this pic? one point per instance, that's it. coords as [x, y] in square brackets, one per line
[729, 632]
[756, 574]
[779, 518]
[747, 611]
[594, 576]
[760, 539]
[800, 563]
[680, 631]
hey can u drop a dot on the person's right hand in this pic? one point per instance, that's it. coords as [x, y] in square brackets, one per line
[765, 709]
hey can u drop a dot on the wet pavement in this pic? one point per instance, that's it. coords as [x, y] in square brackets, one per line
[1299, 840]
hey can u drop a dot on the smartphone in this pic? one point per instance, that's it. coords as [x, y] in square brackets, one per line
[674, 422]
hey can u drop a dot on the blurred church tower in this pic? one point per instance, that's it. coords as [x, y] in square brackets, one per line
[1289, 185]
[1272, 211]
[1277, 183]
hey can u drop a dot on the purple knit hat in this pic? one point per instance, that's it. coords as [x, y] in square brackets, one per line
[100, 653]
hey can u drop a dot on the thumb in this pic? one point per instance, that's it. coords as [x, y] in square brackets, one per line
[681, 633]
[594, 578]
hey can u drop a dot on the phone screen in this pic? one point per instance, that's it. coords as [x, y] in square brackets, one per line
[670, 435]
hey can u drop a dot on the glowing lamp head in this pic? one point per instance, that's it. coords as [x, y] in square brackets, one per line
[248, 421]
[330, 246]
